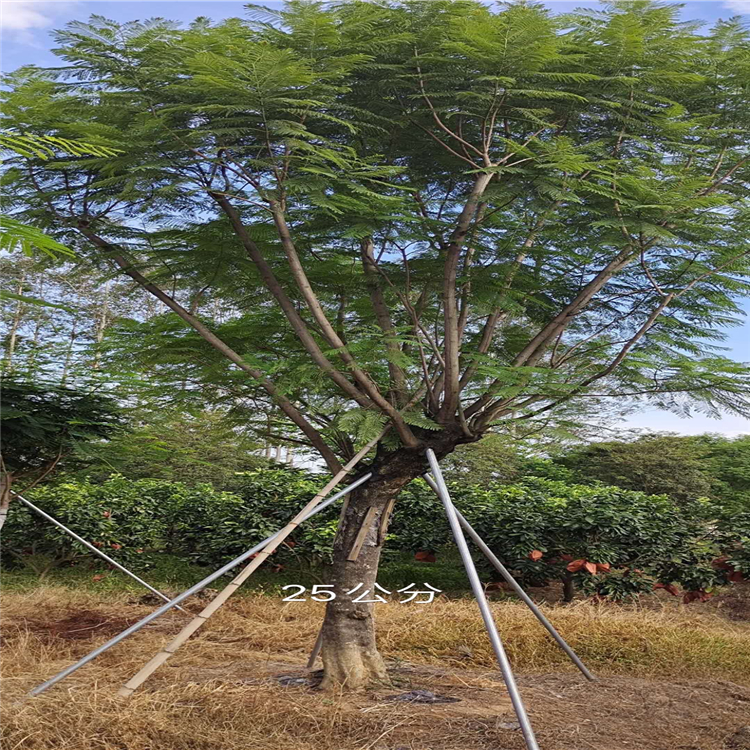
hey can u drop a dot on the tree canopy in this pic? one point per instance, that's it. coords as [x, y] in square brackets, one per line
[686, 467]
[436, 215]
[42, 424]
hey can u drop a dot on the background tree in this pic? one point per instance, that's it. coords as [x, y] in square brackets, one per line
[203, 447]
[41, 425]
[494, 458]
[57, 317]
[654, 464]
[446, 218]
[727, 462]
[686, 467]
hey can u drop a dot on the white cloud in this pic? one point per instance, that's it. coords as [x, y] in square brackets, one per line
[25, 15]
[738, 6]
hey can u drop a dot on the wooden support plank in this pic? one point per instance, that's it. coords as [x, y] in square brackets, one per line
[383, 528]
[362, 534]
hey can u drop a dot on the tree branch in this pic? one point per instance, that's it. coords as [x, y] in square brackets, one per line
[383, 317]
[313, 303]
[120, 259]
[287, 306]
[451, 340]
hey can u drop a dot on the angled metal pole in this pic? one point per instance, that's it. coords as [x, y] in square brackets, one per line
[184, 595]
[484, 607]
[517, 588]
[95, 550]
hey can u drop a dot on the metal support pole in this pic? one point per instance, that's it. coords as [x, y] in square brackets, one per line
[184, 595]
[95, 550]
[484, 607]
[517, 588]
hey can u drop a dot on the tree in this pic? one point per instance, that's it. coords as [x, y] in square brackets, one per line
[57, 318]
[175, 447]
[655, 464]
[42, 424]
[428, 215]
[13, 233]
[613, 543]
[727, 465]
[129, 520]
[686, 467]
[494, 458]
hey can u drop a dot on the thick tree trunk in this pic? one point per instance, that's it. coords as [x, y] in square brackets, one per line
[350, 655]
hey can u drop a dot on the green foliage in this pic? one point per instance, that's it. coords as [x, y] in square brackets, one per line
[46, 146]
[640, 539]
[616, 141]
[43, 423]
[654, 464]
[495, 458]
[684, 467]
[129, 521]
[621, 584]
[17, 235]
[211, 532]
[727, 462]
[611, 542]
[203, 448]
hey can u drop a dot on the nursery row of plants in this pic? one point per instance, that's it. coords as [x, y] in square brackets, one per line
[605, 541]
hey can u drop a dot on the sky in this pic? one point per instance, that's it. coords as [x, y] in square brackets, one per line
[25, 27]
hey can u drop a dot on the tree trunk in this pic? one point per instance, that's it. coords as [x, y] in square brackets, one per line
[6, 481]
[69, 354]
[38, 320]
[101, 326]
[350, 655]
[13, 332]
[569, 587]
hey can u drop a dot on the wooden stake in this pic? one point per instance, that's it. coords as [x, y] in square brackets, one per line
[383, 527]
[362, 534]
[316, 649]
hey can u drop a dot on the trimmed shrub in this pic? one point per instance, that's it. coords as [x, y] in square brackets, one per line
[609, 542]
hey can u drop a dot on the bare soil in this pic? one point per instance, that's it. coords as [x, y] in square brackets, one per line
[567, 712]
[79, 625]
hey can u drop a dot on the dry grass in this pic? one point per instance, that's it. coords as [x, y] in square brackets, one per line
[218, 693]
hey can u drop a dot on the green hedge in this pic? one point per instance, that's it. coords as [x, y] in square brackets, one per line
[611, 542]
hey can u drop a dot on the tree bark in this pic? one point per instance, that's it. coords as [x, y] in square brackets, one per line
[6, 481]
[101, 326]
[69, 353]
[13, 332]
[350, 655]
[569, 588]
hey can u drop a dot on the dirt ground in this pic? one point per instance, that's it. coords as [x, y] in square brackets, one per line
[566, 711]
[230, 690]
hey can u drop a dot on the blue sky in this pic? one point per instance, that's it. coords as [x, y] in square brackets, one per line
[25, 27]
